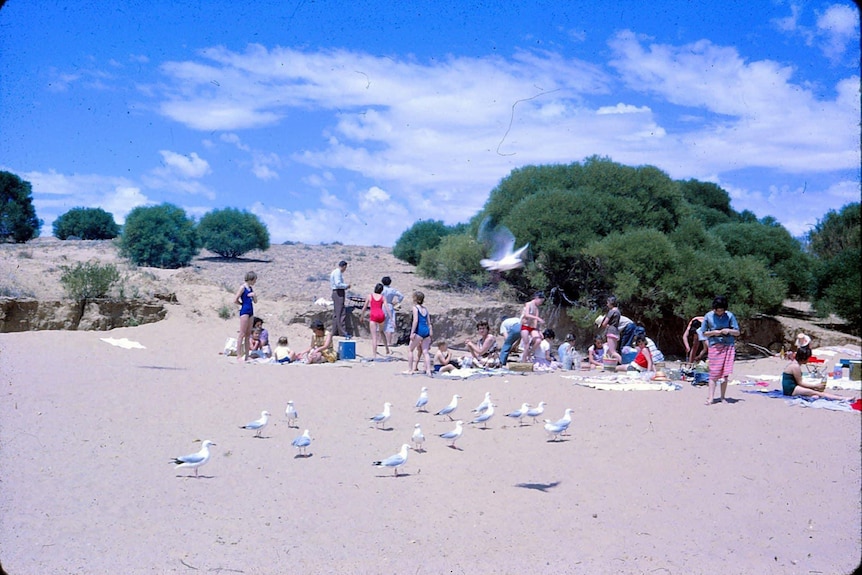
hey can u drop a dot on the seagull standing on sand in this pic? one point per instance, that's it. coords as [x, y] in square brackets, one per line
[384, 416]
[553, 429]
[485, 416]
[418, 438]
[565, 421]
[484, 405]
[537, 411]
[423, 400]
[302, 442]
[258, 424]
[394, 461]
[455, 433]
[519, 413]
[194, 460]
[291, 414]
[453, 405]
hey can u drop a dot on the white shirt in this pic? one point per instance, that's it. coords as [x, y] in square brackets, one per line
[509, 324]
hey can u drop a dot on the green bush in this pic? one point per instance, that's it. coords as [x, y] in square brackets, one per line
[159, 236]
[836, 245]
[455, 261]
[18, 221]
[88, 280]
[86, 224]
[230, 232]
[421, 236]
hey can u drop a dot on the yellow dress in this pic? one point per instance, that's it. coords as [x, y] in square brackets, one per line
[328, 353]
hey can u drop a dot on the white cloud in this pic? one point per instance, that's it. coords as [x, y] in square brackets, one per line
[838, 25]
[188, 166]
[621, 108]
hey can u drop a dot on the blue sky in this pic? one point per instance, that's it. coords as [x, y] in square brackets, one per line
[349, 121]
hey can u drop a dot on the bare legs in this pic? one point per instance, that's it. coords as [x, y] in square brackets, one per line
[242, 340]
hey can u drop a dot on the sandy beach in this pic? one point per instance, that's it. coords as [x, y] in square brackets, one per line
[646, 482]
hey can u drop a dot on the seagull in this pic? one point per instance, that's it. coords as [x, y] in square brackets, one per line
[418, 438]
[537, 411]
[565, 421]
[485, 416]
[302, 442]
[455, 433]
[519, 413]
[423, 400]
[484, 405]
[394, 461]
[194, 460]
[383, 417]
[504, 256]
[447, 411]
[258, 424]
[554, 429]
[290, 412]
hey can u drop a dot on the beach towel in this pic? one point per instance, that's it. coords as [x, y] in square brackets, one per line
[622, 383]
[124, 343]
[816, 403]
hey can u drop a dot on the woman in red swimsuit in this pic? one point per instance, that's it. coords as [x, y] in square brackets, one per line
[376, 318]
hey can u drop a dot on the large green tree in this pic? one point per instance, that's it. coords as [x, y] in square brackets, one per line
[86, 224]
[231, 232]
[18, 221]
[159, 236]
[835, 243]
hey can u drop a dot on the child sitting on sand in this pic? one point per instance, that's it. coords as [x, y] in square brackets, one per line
[282, 353]
[255, 348]
[443, 361]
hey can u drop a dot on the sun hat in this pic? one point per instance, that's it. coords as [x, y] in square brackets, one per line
[802, 340]
[599, 320]
[660, 376]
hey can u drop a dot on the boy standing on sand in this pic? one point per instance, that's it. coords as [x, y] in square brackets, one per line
[531, 337]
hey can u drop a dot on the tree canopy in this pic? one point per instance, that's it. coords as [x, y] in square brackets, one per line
[232, 233]
[18, 221]
[86, 224]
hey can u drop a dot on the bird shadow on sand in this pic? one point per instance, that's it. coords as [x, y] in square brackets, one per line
[543, 487]
[197, 476]
[262, 436]
[384, 428]
[302, 455]
[455, 447]
[394, 476]
[557, 440]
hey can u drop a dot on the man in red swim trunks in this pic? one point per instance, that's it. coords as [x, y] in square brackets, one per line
[531, 336]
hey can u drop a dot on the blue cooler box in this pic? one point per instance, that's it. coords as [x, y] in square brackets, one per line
[347, 350]
[628, 357]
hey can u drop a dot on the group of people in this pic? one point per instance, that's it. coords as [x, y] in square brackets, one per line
[713, 334]
[253, 338]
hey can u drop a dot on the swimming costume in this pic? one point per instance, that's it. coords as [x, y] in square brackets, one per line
[788, 383]
[529, 328]
[422, 329]
[247, 307]
[377, 315]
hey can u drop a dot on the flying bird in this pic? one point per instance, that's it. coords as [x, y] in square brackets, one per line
[553, 429]
[194, 460]
[453, 405]
[484, 405]
[291, 414]
[258, 424]
[384, 416]
[501, 244]
[537, 411]
[519, 413]
[485, 416]
[418, 438]
[455, 433]
[423, 400]
[302, 442]
[394, 461]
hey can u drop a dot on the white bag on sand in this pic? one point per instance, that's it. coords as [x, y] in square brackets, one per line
[230, 346]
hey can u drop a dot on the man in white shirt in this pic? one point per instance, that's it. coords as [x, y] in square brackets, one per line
[339, 293]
